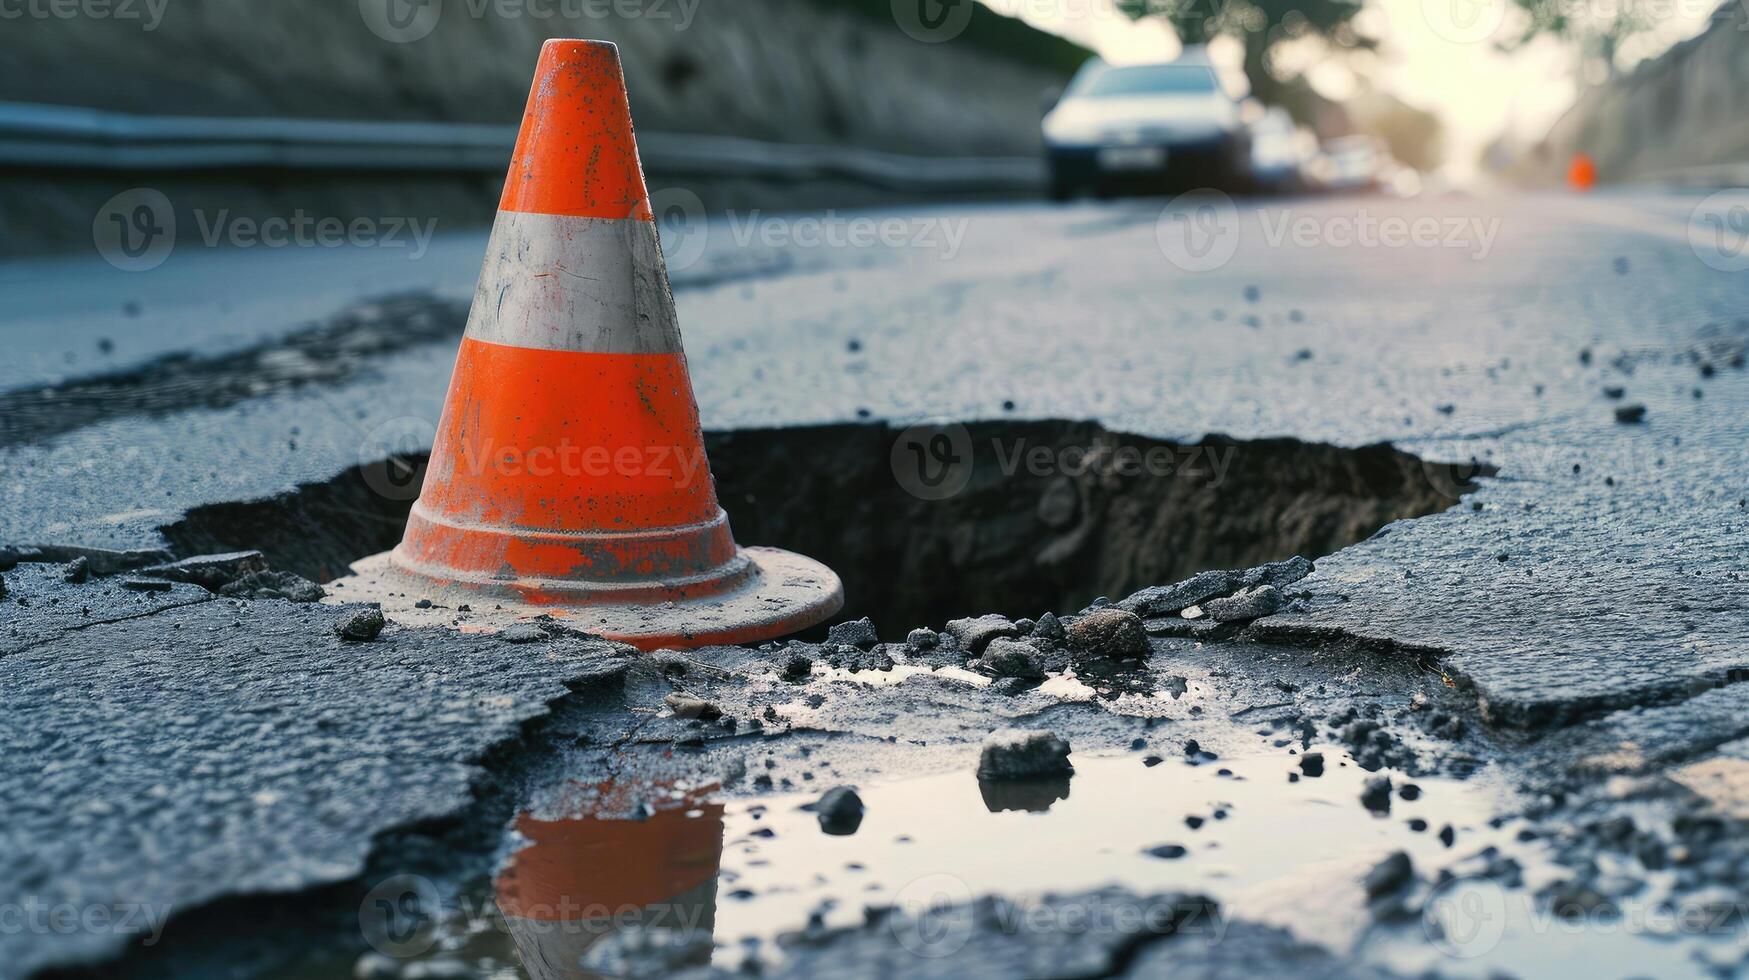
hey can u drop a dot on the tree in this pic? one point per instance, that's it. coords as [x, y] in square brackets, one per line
[1595, 31]
[1259, 25]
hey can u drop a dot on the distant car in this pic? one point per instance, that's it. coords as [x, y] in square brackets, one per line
[1281, 153]
[1145, 127]
[1351, 163]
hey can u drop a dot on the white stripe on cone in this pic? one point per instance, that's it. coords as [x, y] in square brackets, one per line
[555, 282]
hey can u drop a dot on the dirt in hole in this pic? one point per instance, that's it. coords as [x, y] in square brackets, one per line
[1048, 515]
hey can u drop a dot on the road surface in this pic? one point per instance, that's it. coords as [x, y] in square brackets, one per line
[1588, 594]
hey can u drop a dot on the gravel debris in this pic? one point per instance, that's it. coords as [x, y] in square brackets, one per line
[839, 811]
[1389, 875]
[1006, 657]
[921, 639]
[1049, 627]
[362, 626]
[1280, 574]
[1164, 600]
[1246, 604]
[1197, 629]
[857, 633]
[1161, 600]
[210, 572]
[1018, 753]
[1312, 764]
[847, 657]
[1109, 634]
[1630, 414]
[975, 633]
[1376, 795]
[687, 706]
[274, 585]
[77, 571]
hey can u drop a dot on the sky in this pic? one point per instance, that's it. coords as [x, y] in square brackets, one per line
[1436, 54]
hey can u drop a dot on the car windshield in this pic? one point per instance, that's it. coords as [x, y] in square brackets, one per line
[1149, 80]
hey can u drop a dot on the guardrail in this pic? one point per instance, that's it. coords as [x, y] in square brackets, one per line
[1699, 177]
[71, 137]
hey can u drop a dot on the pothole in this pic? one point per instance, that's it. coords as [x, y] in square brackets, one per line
[1009, 517]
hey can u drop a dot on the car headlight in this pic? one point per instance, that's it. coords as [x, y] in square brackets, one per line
[1061, 128]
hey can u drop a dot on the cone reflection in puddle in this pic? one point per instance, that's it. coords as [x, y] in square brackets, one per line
[606, 870]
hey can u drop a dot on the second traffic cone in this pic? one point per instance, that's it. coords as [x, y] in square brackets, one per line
[568, 475]
[1581, 172]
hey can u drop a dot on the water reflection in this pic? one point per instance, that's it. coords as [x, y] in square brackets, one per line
[604, 893]
[633, 857]
[1029, 795]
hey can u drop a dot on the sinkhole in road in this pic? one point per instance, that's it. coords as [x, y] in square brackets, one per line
[930, 523]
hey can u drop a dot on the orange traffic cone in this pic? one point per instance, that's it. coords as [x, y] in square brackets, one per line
[568, 475]
[1581, 173]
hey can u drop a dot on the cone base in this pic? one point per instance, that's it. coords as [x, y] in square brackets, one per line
[786, 594]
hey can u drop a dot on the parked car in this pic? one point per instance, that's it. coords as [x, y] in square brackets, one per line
[1150, 127]
[1281, 153]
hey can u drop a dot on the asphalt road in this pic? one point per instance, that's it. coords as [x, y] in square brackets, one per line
[1591, 591]
[1453, 328]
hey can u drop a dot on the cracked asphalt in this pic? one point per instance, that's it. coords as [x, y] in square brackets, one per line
[1570, 634]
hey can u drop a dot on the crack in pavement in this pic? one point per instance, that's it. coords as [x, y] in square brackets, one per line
[106, 622]
[329, 353]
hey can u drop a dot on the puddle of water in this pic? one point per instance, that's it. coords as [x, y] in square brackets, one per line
[744, 874]
[1292, 857]
[897, 674]
[1484, 928]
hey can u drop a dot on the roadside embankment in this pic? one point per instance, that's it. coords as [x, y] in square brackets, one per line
[814, 73]
[1680, 116]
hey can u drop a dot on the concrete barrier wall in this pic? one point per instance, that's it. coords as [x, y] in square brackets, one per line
[813, 71]
[1683, 112]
